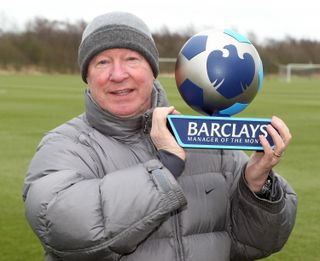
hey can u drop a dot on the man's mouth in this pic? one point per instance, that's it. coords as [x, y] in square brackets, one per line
[122, 92]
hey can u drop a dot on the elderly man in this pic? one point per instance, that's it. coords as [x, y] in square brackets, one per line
[113, 184]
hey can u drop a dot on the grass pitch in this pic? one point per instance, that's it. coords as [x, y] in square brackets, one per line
[32, 105]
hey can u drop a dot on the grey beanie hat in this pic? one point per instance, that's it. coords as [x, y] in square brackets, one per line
[117, 30]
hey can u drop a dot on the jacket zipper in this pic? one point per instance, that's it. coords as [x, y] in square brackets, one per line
[175, 218]
[177, 236]
[146, 132]
[146, 123]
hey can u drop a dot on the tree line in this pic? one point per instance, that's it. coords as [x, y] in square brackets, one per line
[52, 46]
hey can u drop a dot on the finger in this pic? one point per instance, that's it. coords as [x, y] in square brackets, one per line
[161, 114]
[267, 149]
[269, 159]
[282, 129]
[175, 112]
[159, 120]
[279, 145]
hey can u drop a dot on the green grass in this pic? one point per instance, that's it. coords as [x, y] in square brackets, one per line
[32, 105]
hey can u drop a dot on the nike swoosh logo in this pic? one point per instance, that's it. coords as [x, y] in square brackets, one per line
[209, 190]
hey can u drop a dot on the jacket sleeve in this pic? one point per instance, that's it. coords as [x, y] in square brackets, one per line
[260, 227]
[79, 216]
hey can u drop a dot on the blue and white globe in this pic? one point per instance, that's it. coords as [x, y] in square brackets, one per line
[218, 72]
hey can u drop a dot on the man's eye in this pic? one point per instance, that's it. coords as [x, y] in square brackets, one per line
[133, 58]
[102, 62]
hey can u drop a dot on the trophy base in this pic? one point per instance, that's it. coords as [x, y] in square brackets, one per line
[207, 132]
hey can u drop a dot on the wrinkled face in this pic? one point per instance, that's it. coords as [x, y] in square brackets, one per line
[120, 81]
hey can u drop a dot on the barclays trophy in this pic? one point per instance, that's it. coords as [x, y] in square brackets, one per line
[218, 74]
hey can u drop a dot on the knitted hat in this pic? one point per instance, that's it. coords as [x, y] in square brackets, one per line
[117, 30]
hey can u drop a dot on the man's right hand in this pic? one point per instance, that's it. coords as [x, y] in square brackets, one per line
[160, 134]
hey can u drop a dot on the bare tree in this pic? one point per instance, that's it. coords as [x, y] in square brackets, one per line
[52, 46]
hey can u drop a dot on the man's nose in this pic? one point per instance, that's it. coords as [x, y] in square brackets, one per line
[118, 72]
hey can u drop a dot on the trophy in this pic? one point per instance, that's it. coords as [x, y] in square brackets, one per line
[218, 74]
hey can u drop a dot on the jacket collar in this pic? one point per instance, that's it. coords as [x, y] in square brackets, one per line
[124, 129]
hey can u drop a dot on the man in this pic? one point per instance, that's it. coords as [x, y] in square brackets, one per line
[113, 184]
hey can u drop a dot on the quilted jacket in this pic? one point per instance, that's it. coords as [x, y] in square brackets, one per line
[96, 190]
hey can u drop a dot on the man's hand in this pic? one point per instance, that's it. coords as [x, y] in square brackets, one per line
[261, 163]
[161, 136]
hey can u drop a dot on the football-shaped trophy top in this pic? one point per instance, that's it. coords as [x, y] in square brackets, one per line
[218, 72]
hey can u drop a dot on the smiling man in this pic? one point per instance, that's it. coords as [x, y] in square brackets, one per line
[120, 81]
[113, 184]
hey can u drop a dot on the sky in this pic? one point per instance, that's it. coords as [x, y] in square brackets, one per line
[269, 19]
